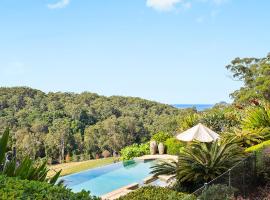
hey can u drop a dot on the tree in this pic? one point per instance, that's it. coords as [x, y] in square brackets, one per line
[61, 133]
[255, 73]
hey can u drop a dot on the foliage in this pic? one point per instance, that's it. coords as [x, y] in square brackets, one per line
[160, 137]
[156, 193]
[134, 150]
[218, 192]
[263, 165]
[188, 121]
[173, 146]
[14, 188]
[221, 118]
[254, 126]
[26, 169]
[257, 121]
[254, 72]
[54, 125]
[205, 161]
[244, 138]
[201, 162]
[259, 147]
[168, 167]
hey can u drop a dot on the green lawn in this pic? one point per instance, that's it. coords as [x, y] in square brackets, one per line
[73, 167]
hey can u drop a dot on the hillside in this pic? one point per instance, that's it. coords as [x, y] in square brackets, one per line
[59, 125]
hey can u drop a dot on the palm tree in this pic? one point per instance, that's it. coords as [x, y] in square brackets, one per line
[25, 169]
[201, 162]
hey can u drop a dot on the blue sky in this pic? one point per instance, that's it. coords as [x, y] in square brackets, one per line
[171, 51]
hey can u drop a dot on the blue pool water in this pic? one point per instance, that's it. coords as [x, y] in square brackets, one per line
[105, 179]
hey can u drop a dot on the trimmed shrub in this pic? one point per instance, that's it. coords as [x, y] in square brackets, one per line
[173, 146]
[218, 192]
[160, 137]
[156, 193]
[134, 150]
[259, 147]
[14, 188]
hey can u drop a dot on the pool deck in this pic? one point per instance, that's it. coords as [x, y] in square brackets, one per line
[148, 180]
[157, 156]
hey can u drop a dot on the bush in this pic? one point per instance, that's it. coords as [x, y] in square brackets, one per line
[259, 147]
[160, 137]
[14, 188]
[156, 193]
[218, 192]
[173, 146]
[134, 150]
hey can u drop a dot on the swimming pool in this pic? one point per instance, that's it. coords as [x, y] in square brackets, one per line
[102, 180]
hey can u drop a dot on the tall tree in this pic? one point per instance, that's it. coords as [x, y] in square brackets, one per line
[255, 74]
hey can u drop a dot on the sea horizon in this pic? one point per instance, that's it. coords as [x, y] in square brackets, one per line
[199, 107]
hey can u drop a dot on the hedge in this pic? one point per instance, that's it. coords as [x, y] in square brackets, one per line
[259, 147]
[161, 137]
[173, 146]
[156, 193]
[14, 188]
[134, 150]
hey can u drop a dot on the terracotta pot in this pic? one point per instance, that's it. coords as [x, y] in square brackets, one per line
[153, 147]
[161, 148]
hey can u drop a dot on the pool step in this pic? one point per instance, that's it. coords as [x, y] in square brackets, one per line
[149, 179]
[165, 178]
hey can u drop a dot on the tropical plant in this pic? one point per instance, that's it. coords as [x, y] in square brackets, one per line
[255, 126]
[26, 169]
[244, 138]
[201, 162]
[257, 120]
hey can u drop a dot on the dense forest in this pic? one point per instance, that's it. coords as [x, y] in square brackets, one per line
[63, 126]
[59, 125]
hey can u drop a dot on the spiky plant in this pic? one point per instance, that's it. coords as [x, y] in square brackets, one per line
[257, 120]
[201, 162]
[254, 128]
[25, 169]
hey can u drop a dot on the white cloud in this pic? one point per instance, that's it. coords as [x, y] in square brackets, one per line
[59, 4]
[162, 5]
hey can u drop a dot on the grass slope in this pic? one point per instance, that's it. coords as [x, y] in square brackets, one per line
[73, 167]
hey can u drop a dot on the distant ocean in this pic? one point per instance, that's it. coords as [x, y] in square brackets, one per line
[199, 107]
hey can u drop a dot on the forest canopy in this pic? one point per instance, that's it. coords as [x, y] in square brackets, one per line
[56, 125]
